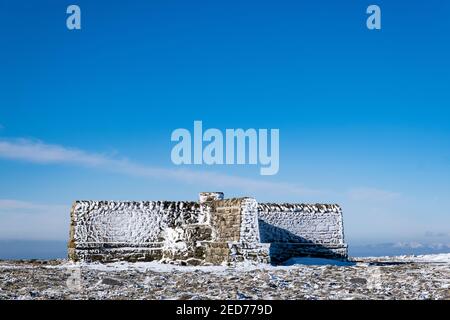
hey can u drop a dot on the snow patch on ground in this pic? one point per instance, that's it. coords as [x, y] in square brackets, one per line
[140, 266]
[292, 263]
[428, 258]
[156, 266]
[433, 258]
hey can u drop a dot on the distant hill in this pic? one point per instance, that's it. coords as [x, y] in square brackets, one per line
[398, 248]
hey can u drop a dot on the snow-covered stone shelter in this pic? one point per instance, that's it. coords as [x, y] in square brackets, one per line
[209, 232]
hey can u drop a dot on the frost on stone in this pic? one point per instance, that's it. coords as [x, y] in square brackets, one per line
[174, 241]
[212, 231]
[396, 278]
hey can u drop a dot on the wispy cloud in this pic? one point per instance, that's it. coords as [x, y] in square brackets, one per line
[372, 194]
[39, 152]
[432, 234]
[24, 206]
[29, 220]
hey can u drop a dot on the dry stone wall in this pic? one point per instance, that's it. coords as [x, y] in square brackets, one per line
[212, 231]
[302, 229]
[236, 232]
[100, 230]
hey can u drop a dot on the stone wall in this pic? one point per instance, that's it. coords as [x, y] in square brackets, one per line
[100, 230]
[211, 231]
[302, 229]
[236, 232]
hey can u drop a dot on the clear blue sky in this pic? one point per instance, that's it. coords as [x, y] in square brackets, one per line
[363, 115]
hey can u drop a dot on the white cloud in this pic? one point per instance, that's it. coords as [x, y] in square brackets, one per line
[36, 151]
[42, 153]
[28, 220]
[11, 205]
[433, 234]
[372, 194]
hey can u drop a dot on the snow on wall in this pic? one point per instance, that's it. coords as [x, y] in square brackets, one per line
[302, 230]
[206, 200]
[236, 220]
[236, 233]
[301, 223]
[212, 230]
[129, 222]
[249, 228]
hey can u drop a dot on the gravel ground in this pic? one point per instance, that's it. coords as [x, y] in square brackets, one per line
[426, 277]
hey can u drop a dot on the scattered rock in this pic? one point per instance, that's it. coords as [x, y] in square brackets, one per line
[111, 282]
[405, 279]
[359, 281]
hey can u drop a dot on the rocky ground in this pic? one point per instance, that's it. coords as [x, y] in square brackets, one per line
[423, 277]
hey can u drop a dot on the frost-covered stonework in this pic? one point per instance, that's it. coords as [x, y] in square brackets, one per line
[302, 229]
[212, 231]
[113, 230]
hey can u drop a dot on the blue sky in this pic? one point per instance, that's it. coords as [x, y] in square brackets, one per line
[363, 115]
